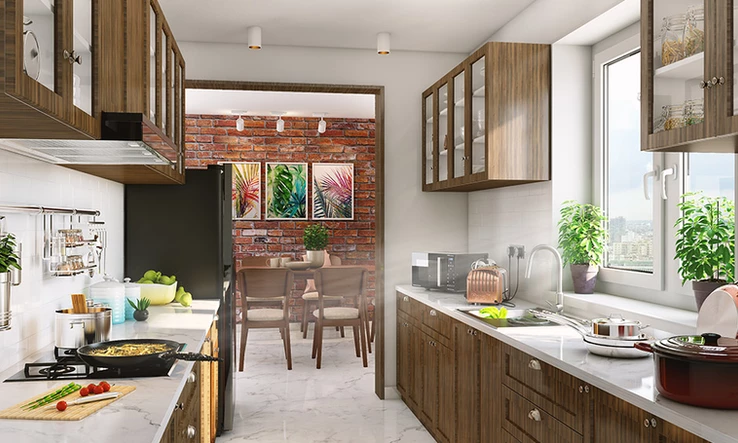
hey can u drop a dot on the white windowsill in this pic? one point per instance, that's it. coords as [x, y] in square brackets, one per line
[677, 321]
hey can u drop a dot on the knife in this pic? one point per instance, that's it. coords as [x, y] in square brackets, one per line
[89, 399]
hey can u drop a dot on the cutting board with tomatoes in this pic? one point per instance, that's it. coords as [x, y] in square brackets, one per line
[70, 413]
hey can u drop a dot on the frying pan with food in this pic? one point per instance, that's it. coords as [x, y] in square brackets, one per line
[136, 353]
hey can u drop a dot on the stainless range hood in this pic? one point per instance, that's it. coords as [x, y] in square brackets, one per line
[127, 139]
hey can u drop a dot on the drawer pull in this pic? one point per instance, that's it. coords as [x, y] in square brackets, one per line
[191, 378]
[191, 432]
[586, 389]
[534, 415]
[406, 298]
[179, 406]
[581, 389]
[535, 365]
[433, 313]
[647, 423]
[653, 423]
[474, 333]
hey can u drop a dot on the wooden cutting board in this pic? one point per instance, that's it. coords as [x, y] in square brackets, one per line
[73, 413]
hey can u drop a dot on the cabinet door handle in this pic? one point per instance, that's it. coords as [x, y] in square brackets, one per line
[534, 415]
[653, 422]
[72, 58]
[647, 423]
[433, 313]
[535, 365]
[581, 389]
[704, 84]
[191, 378]
[474, 333]
[179, 406]
[406, 298]
[721, 80]
[191, 432]
[586, 389]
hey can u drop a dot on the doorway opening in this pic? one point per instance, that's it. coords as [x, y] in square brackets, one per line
[216, 145]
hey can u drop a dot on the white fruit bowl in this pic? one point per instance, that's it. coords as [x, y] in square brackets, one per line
[159, 294]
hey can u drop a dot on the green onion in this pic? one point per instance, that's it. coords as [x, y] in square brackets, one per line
[56, 395]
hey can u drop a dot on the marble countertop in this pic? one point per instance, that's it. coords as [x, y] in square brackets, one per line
[140, 416]
[562, 347]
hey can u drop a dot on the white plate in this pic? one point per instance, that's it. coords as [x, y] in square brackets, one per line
[298, 265]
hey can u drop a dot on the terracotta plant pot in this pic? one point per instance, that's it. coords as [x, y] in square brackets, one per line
[584, 277]
[317, 258]
[704, 288]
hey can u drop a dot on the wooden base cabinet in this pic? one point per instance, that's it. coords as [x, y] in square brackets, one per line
[616, 421]
[467, 343]
[490, 404]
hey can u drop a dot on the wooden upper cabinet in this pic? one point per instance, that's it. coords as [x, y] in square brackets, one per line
[688, 67]
[47, 69]
[486, 124]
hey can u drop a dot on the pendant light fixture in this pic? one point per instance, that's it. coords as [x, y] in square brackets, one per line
[254, 36]
[383, 43]
[239, 121]
[322, 123]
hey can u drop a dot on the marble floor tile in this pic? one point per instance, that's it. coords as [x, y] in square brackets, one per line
[333, 404]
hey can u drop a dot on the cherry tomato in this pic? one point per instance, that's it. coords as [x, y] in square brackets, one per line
[99, 389]
[105, 385]
[62, 405]
[91, 388]
[84, 392]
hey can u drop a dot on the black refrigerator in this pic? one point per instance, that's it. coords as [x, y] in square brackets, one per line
[186, 230]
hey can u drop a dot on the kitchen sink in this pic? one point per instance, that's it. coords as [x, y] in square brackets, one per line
[515, 318]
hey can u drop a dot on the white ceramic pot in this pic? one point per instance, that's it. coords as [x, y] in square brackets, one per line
[317, 258]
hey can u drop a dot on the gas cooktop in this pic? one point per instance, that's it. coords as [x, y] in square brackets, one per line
[66, 365]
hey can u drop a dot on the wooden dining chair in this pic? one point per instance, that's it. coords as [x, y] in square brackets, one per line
[265, 284]
[350, 283]
[310, 298]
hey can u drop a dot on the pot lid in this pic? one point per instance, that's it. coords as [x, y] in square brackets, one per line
[615, 319]
[107, 283]
[708, 346]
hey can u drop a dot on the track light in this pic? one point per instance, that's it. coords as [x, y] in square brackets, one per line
[280, 125]
[239, 122]
[254, 36]
[322, 123]
[383, 43]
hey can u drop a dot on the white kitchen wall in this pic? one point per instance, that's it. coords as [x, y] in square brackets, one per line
[414, 221]
[25, 181]
[527, 214]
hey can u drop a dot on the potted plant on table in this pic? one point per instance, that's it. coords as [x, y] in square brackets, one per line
[9, 260]
[315, 239]
[140, 308]
[582, 237]
[705, 243]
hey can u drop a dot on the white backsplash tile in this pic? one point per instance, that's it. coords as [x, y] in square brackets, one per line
[25, 181]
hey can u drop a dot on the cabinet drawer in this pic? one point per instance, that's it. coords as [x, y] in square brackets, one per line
[554, 390]
[437, 321]
[528, 422]
[412, 308]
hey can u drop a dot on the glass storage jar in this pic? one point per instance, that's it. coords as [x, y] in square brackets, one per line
[672, 38]
[672, 117]
[694, 112]
[694, 30]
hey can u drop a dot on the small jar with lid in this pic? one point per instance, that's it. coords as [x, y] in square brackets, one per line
[694, 31]
[672, 38]
[694, 112]
[672, 117]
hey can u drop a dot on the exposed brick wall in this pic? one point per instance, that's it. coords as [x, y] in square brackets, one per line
[212, 139]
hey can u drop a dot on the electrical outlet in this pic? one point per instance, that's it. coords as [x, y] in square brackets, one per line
[516, 251]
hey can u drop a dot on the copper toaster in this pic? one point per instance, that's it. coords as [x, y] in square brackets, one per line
[486, 285]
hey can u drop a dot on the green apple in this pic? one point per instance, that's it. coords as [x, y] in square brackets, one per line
[150, 275]
[186, 299]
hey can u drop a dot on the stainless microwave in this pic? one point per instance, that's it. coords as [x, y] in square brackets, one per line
[443, 271]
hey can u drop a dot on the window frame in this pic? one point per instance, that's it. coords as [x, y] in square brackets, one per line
[655, 280]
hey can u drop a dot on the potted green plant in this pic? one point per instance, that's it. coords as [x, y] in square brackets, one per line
[705, 243]
[315, 239]
[9, 261]
[582, 238]
[140, 308]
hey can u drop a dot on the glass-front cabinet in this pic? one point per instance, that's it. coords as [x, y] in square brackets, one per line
[688, 100]
[460, 136]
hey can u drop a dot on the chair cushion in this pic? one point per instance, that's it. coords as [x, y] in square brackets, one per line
[264, 299]
[338, 313]
[264, 314]
[314, 296]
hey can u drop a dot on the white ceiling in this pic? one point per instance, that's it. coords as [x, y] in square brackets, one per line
[220, 102]
[620, 16]
[415, 25]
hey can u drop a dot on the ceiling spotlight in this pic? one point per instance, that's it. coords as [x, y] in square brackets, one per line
[239, 122]
[383, 43]
[280, 125]
[322, 124]
[254, 36]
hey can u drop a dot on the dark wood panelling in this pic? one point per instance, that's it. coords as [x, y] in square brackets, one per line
[490, 402]
[132, 175]
[446, 423]
[417, 354]
[429, 396]
[284, 87]
[669, 433]
[618, 421]
[528, 422]
[379, 213]
[403, 354]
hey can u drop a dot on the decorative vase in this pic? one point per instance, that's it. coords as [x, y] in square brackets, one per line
[584, 278]
[140, 315]
[316, 258]
[703, 288]
[5, 280]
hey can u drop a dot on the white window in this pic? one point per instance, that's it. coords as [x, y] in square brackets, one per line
[640, 191]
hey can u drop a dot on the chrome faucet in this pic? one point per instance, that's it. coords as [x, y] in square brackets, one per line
[559, 306]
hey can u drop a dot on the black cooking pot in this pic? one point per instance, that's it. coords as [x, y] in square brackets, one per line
[165, 358]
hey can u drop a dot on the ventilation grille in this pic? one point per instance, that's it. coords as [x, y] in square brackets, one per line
[86, 152]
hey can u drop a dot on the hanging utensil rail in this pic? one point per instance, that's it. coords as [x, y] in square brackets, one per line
[48, 210]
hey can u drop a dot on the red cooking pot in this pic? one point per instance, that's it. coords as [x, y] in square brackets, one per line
[699, 370]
